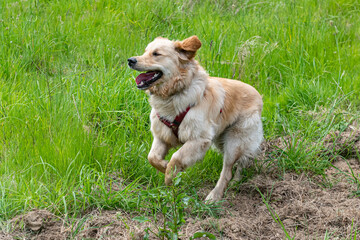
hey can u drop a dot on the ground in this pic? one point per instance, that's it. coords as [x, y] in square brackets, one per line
[271, 205]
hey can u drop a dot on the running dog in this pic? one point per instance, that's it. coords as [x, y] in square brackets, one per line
[193, 110]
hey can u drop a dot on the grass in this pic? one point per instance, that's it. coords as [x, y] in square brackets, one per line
[70, 115]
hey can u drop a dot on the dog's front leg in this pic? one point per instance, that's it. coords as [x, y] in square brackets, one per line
[156, 156]
[187, 155]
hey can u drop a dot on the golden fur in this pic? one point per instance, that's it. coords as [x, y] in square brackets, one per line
[224, 112]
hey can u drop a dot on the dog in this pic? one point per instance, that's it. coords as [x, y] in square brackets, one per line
[195, 111]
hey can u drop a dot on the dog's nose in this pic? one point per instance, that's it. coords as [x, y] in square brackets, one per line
[132, 61]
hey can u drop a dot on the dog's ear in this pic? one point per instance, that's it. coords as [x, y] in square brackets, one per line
[187, 48]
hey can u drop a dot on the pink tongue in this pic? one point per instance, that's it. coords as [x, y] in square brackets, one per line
[144, 77]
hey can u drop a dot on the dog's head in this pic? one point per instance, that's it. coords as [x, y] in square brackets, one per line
[164, 62]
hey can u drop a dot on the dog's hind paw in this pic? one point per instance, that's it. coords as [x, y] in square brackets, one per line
[213, 196]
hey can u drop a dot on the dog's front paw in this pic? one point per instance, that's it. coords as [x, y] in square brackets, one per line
[172, 169]
[168, 181]
[213, 196]
[170, 173]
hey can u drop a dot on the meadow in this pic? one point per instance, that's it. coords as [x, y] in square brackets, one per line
[74, 129]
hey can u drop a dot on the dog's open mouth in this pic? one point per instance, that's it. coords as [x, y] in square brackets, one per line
[144, 80]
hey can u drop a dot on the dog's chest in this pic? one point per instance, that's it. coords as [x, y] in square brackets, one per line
[193, 126]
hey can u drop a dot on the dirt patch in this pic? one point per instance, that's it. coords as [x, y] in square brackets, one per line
[346, 144]
[5, 236]
[113, 225]
[38, 224]
[43, 225]
[269, 206]
[305, 208]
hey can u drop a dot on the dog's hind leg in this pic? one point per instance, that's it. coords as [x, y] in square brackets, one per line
[237, 176]
[241, 143]
[156, 156]
[226, 174]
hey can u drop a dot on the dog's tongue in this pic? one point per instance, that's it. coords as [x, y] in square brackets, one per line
[144, 77]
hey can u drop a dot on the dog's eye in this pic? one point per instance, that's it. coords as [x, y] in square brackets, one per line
[156, 54]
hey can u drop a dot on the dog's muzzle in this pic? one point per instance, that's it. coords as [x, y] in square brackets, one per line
[132, 61]
[144, 80]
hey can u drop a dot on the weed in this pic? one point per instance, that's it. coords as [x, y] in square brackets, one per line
[169, 206]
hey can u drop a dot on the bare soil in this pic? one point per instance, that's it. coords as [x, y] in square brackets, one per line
[307, 207]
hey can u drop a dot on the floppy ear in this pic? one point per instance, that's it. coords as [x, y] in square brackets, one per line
[187, 48]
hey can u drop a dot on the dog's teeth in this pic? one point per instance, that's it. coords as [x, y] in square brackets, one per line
[140, 84]
[156, 74]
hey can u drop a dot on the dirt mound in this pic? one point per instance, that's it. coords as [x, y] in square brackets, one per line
[43, 225]
[39, 224]
[305, 208]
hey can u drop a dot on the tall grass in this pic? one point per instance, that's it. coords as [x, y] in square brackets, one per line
[70, 114]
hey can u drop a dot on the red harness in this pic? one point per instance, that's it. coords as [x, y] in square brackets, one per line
[174, 126]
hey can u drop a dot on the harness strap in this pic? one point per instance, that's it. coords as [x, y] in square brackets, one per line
[174, 126]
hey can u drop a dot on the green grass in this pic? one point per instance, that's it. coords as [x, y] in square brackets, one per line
[70, 114]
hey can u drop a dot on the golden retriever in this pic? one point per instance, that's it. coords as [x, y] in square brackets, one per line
[194, 111]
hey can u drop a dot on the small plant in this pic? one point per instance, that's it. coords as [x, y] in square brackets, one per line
[169, 208]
